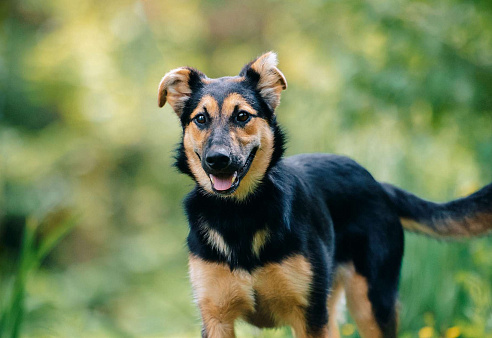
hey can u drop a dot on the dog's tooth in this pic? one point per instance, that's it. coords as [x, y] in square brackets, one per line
[234, 177]
[212, 179]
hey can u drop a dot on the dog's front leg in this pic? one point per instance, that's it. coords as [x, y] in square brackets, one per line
[222, 295]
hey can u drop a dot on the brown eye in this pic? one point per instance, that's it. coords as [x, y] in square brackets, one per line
[242, 116]
[200, 119]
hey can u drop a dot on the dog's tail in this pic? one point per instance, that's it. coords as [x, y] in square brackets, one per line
[464, 217]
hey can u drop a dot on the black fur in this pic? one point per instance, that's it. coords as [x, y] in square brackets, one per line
[438, 217]
[325, 207]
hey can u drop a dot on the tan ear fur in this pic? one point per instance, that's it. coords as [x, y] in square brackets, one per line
[174, 88]
[272, 81]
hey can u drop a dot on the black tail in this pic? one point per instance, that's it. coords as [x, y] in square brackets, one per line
[464, 217]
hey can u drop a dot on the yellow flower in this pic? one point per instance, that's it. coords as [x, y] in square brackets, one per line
[453, 332]
[426, 332]
[348, 329]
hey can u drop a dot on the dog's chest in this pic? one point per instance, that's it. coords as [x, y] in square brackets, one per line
[269, 296]
[237, 249]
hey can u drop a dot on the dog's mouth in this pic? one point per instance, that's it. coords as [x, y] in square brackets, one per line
[226, 184]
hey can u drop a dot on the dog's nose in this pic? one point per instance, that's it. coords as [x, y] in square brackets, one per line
[218, 159]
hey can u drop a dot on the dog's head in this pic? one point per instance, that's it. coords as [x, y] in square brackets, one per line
[229, 128]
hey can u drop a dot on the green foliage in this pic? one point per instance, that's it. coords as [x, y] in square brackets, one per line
[31, 256]
[401, 86]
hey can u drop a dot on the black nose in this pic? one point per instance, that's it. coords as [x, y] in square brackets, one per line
[218, 159]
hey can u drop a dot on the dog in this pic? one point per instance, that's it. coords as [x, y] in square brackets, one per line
[274, 241]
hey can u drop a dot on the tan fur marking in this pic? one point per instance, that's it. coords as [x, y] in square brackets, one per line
[208, 102]
[233, 100]
[193, 142]
[195, 138]
[411, 225]
[358, 303]
[481, 223]
[284, 289]
[222, 295]
[333, 300]
[266, 65]
[272, 81]
[174, 89]
[478, 224]
[260, 130]
[259, 240]
[216, 240]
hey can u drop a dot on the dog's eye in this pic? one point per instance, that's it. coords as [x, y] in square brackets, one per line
[200, 119]
[242, 116]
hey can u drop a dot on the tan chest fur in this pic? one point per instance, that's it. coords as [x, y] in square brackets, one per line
[273, 295]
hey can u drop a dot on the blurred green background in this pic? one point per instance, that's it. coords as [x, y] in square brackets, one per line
[92, 230]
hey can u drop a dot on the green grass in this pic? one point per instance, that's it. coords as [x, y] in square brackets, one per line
[32, 254]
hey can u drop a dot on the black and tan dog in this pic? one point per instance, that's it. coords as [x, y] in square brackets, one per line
[273, 240]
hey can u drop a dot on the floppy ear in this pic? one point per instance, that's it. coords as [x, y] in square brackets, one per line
[176, 87]
[269, 79]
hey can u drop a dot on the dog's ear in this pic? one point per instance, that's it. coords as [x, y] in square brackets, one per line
[268, 78]
[176, 87]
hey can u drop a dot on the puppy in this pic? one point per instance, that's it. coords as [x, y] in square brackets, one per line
[274, 240]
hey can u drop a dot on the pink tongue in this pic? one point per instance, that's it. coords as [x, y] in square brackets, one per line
[221, 183]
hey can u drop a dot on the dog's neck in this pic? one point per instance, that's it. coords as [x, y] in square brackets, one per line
[241, 233]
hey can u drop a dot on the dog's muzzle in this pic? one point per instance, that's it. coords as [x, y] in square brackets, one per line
[224, 175]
